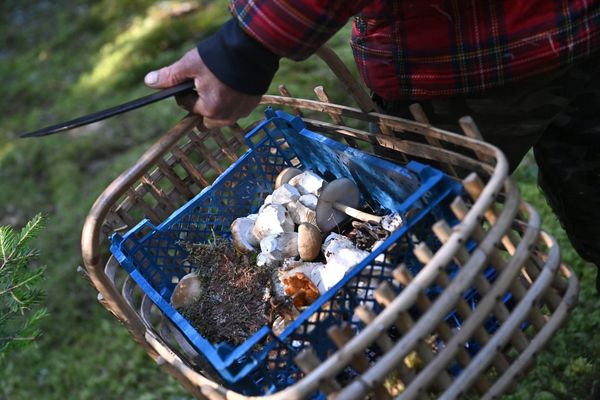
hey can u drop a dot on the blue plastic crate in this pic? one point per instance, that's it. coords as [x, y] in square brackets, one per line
[153, 255]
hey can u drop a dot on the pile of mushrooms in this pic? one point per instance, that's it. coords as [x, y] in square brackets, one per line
[288, 232]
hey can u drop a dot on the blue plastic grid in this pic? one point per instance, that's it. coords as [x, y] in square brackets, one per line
[264, 363]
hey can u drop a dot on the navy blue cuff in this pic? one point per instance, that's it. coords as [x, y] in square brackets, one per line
[238, 60]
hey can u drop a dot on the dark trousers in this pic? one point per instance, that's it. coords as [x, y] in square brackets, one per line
[556, 114]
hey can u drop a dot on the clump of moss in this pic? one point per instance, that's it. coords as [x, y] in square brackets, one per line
[234, 302]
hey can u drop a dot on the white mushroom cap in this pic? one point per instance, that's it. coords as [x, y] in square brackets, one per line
[285, 194]
[187, 290]
[341, 190]
[241, 235]
[330, 274]
[338, 265]
[285, 175]
[315, 277]
[381, 257]
[261, 208]
[307, 182]
[341, 256]
[309, 241]
[309, 200]
[279, 246]
[334, 243]
[392, 222]
[348, 257]
[300, 213]
[252, 216]
[263, 259]
[291, 266]
[272, 219]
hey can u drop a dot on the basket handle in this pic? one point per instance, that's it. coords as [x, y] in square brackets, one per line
[341, 71]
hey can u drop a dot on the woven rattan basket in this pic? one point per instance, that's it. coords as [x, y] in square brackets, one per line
[496, 229]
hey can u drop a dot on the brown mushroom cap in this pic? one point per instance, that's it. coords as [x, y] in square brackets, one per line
[187, 290]
[341, 190]
[309, 241]
[285, 176]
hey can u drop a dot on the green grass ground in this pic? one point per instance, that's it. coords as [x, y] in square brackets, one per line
[64, 58]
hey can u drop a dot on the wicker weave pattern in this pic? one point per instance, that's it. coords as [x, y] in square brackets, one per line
[502, 231]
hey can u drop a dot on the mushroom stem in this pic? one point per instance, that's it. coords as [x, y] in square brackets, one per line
[357, 214]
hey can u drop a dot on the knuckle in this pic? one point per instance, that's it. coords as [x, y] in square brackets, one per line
[208, 109]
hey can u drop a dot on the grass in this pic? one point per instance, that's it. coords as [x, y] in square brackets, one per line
[61, 59]
[568, 368]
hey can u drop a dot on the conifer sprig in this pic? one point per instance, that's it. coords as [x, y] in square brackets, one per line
[20, 295]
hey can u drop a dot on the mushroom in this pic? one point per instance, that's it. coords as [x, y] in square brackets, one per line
[285, 175]
[273, 218]
[284, 311]
[280, 246]
[285, 194]
[290, 267]
[341, 256]
[301, 289]
[338, 264]
[391, 222]
[241, 235]
[309, 200]
[348, 257]
[187, 290]
[307, 182]
[309, 241]
[334, 243]
[301, 213]
[279, 325]
[377, 244]
[338, 199]
[263, 259]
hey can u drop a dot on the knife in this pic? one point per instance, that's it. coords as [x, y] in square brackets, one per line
[120, 109]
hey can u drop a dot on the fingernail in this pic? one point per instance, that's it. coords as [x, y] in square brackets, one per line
[151, 78]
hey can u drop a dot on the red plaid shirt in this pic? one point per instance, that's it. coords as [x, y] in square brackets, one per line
[420, 49]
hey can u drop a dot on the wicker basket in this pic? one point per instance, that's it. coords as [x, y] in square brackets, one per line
[497, 229]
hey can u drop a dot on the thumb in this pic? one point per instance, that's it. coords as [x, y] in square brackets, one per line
[165, 77]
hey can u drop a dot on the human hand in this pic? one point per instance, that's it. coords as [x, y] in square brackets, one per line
[216, 102]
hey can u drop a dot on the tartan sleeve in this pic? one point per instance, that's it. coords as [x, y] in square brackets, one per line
[295, 28]
[238, 60]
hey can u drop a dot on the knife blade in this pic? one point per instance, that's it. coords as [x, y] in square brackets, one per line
[109, 112]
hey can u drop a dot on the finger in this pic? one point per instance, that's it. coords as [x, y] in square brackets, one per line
[208, 106]
[216, 109]
[187, 100]
[175, 73]
[164, 77]
[216, 123]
